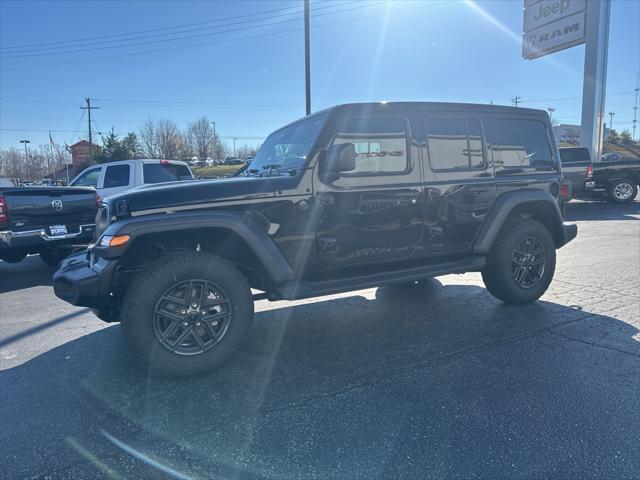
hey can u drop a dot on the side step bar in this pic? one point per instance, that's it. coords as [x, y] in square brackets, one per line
[296, 290]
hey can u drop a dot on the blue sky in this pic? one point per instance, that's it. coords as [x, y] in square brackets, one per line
[242, 64]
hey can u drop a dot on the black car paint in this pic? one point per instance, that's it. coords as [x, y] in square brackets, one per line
[575, 165]
[606, 172]
[30, 209]
[359, 226]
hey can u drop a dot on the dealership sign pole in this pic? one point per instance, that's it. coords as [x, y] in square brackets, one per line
[554, 25]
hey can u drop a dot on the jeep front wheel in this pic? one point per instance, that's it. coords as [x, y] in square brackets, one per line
[521, 263]
[187, 313]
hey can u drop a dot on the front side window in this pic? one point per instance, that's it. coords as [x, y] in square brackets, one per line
[455, 143]
[88, 179]
[521, 143]
[285, 152]
[380, 144]
[116, 176]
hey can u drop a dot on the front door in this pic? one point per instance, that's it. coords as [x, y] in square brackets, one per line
[372, 214]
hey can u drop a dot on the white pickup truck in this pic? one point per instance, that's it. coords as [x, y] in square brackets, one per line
[116, 177]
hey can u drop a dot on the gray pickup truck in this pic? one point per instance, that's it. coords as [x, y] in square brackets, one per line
[50, 221]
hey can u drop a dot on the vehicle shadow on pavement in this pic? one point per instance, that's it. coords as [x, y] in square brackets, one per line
[587, 209]
[31, 272]
[426, 381]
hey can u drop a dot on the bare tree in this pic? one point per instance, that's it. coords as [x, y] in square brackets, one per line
[11, 163]
[169, 138]
[149, 139]
[200, 138]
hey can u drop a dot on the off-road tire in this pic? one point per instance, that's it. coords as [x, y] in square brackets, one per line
[139, 304]
[622, 191]
[498, 274]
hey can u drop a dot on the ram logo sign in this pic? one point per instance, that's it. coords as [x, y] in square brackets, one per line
[552, 25]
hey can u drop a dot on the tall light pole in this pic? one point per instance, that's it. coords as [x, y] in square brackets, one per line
[26, 142]
[307, 60]
[611, 114]
[551, 110]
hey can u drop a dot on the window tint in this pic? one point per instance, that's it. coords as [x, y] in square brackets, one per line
[455, 143]
[165, 172]
[381, 144]
[88, 179]
[116, 176]
[521, 143]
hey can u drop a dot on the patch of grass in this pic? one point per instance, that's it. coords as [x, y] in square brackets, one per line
[215, 171]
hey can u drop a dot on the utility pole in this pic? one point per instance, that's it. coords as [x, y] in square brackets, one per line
[611, 114]
[88, 108]
[551, 110]
[307, 60]
[516, 100]
[234, 146]
[635, 108]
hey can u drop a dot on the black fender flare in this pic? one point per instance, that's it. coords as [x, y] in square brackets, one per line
[252, 228]
[506, 203]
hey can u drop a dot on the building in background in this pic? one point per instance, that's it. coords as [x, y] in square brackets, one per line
[81, 153]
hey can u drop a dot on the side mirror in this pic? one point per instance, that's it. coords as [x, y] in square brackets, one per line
[338, 158]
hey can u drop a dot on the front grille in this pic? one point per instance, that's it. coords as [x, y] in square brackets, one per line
[102, 220]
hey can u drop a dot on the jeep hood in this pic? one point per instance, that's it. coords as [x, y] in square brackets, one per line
[201, 193]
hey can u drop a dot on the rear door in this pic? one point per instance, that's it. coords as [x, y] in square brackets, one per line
[459, 187]
[522, 153]
[373, 213]
[116, 179]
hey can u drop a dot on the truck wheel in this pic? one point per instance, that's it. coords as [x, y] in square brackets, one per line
[52, 256]
[187, 313]
[521, 263]
[622, 191]
[13, 257]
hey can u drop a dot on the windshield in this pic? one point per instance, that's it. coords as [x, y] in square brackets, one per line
[286, 151]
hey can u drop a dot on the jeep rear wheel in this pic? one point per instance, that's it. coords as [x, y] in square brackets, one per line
[187, 313]
[521, 263]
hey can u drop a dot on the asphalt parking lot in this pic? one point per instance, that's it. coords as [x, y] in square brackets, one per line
[436, 381]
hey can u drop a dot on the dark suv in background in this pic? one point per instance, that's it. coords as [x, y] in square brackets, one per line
[355, 196]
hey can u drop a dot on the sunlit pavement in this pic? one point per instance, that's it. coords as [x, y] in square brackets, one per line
[436, 381]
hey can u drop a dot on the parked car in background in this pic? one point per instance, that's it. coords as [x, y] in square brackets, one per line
[611, 157]
[577, 168]
[233, 161]
[116, 177]
[619, 180]
[249, 159]
[50, 221]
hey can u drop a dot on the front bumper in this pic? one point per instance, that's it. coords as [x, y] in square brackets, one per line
[40, 237]
[569, 232]
[84, 281]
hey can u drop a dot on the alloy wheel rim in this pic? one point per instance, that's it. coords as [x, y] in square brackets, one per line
[528, 263]
[192, 317]
[622, 191]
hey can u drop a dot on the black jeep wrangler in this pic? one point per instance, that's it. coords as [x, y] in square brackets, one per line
[355, 196]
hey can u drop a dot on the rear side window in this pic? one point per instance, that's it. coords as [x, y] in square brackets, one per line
[380, 143]
[165, 172]
[521, 143]
[116, 176]
[455, 144]
[88, 179]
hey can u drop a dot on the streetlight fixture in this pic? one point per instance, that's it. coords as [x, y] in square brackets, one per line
[26, 156]
[611, 114]
[551, 110]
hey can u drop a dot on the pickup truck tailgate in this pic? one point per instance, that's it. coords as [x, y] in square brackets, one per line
[31, 208]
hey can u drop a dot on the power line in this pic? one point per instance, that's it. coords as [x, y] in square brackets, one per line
[140, 32]
[12, 55]
[165, 49]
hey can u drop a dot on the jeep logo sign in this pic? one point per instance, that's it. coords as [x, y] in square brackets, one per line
[552, 25]
[56, 205]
